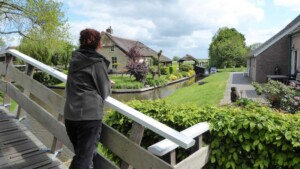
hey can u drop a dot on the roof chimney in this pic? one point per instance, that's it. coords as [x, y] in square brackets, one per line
[109, 30]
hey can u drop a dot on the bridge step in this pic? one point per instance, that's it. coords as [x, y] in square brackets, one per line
[20, 149]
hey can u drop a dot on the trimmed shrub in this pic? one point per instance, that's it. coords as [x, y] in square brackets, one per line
[152, 69]
[164, 71]
[172, 77]
[178, 75]
[156, 82]
[128, 85]
[245, 137]
[190, 73]
[258, 88]
[186, 68]
[184, 74]
[171, 69]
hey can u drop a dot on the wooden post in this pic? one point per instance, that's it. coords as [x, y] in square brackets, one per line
[173, 157]
[6, 98]
[198, 144]
[136, 135]
[28, 71]
[56, 144]
[158, 58]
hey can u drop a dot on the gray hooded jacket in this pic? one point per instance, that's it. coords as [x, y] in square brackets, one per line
[87, 86]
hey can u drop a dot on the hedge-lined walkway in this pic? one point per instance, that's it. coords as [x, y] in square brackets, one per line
[242, 83]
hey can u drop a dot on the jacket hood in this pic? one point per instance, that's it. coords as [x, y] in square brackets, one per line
[83, 58]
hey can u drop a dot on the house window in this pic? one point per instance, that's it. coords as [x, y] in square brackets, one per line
[112, 48]
[114, 62]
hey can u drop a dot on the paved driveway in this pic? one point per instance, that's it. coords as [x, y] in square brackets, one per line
[236, 79]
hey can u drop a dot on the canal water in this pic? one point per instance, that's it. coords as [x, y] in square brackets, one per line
[157, 93]
[42, 134]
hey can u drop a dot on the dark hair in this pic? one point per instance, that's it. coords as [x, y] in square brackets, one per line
[89, 38]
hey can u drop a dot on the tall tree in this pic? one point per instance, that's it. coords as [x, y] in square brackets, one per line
[228, 48]
[176, 58]
[50, 36]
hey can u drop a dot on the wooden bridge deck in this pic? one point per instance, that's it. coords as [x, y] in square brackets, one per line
[19, 148]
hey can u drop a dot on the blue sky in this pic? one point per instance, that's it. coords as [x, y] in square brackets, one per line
[180, 27]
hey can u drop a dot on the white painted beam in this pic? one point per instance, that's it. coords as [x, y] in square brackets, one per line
[157, 127]
[165, 146]
[53, 72]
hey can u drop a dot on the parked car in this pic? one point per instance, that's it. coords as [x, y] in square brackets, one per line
[213, 70]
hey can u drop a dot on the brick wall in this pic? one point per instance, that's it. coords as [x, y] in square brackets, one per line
[277, 54]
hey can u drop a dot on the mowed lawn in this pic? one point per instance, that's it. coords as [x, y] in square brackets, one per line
[209, 93]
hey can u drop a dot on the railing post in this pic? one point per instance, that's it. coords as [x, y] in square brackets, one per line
[6, 98]
[136, 135]
[57, 145]
[170, 157]
[198, 144]
[173, 157]
[28, 71]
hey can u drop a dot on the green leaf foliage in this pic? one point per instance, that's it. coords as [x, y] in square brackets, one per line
[176, 58]
[228, 48]
[164, 70]
[252, 136]
[49, 38]
[186, 67]
[280, 96]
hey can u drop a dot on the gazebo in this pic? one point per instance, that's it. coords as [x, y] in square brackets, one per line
[198, 69]
[188, 57]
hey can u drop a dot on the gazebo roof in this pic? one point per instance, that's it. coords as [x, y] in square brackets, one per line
[188, 57]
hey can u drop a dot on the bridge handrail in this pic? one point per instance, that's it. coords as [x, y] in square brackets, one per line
[148, 122]
[165, 146]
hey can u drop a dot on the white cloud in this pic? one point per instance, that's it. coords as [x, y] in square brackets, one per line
[259, 36]
[260, 2]
[221, 13]
[197, 38]
[293, 4]
[182, 26]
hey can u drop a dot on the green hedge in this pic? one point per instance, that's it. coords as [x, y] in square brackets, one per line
[251, 136]
[45, 78]
[128, 85]
[171, 69]
[186, 68]
[164, 71]
[156, 82]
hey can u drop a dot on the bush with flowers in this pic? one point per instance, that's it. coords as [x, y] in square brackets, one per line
[281, 96]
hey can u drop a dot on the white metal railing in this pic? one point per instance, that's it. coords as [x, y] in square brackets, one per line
[146, 121]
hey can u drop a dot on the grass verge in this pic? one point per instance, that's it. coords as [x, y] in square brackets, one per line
[209, 93]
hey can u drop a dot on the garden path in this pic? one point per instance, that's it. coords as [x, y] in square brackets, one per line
[242, 83]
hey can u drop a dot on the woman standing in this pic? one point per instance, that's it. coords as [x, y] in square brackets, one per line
[87, 87]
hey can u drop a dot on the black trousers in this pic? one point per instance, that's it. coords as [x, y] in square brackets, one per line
[84, 136]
